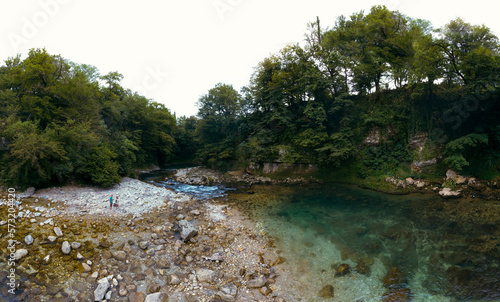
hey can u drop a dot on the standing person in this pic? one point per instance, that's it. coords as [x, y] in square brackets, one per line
[116, 202]
[111, 202]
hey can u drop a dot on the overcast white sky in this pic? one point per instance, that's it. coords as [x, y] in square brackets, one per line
[175, 51]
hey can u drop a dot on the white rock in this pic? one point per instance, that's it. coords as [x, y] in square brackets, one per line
[66, 248]
[46, 259]
[52, 238]
[58, 232]
[20, 253]
[75, 245]
[79, 256]
[86, 267]
[449, 193]
[101, 290]
[28, 239]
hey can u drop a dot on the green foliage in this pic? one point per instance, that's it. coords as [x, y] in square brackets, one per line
[99, 167]
[386, 158]
[463, 149]
[34, 157]
[55, 116]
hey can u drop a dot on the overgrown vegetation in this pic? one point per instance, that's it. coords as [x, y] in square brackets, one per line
[379, 74]
[60, 120]
[416, 92]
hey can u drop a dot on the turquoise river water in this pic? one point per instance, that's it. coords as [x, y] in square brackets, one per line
[417, 246]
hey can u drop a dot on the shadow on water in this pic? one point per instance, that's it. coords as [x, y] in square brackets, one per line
[442, 250]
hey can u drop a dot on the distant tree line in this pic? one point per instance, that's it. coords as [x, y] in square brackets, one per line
[315, 103]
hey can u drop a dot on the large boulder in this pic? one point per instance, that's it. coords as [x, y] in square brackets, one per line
[188, 230]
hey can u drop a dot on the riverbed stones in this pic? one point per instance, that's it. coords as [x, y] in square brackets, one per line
[397, 295]
[257, 282]
[20, 253]
[157, 297]
[52, 238]
[119, 255]
[58, 232]
[326, 292]
[86, 267]
[127, 248]
[393, 278]
[173, 280]
[205, 275]
[105, 244]
[228, 292]
[101, 289]
[28, 239]
[177, 297]
[188, 230]
[143, 244]
[342, 270]
[66, 248]
[75, 245]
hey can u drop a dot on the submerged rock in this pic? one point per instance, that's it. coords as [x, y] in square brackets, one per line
[362, 268]
[393, 278]
[397, 295]
[119, 255]
[101, 289]
[257, 282]
[342, 270]
[188, 230]
[326, 292]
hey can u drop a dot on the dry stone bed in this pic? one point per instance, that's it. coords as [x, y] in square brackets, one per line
[72, 247]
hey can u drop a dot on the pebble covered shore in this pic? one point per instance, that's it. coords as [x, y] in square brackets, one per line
[158, 245]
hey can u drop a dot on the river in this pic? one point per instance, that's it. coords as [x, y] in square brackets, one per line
[417, 246]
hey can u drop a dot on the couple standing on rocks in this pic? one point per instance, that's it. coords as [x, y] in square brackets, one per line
[111, 202]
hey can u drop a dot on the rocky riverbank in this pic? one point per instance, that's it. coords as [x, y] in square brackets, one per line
[72, 247]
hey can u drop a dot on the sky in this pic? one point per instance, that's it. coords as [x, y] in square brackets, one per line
[173, 52]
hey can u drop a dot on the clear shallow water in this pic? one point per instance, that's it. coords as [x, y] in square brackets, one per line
[442, 250]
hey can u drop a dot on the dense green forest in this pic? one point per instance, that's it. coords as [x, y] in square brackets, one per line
[370, 96]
